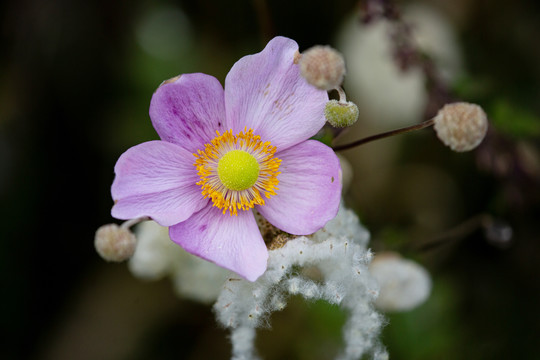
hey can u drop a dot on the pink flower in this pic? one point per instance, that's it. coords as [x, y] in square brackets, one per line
[224, 153]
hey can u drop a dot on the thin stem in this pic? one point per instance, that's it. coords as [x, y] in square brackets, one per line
[132, 222]
[456, 233]
[266, 27]
[342, 96]
[383, 135]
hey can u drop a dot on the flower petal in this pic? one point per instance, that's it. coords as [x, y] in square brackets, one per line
[309, 189]
[156, 179]
[266, 93]
[188, 111]
[232, 242]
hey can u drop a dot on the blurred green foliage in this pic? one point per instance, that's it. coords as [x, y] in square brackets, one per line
[514, 121]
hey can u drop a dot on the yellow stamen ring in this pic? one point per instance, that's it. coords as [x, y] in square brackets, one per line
[237, 171]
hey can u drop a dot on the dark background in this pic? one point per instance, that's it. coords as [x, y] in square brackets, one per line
[75, 85]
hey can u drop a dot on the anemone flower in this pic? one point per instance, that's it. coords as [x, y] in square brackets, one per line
[225, 153]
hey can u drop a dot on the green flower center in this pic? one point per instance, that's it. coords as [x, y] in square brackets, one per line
[238, 170]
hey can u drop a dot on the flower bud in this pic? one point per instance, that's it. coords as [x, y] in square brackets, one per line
[114, 243]
[461, 126]
[322, 67]
[341, 114]
[498, 233]
[403, 283]
[346, 173]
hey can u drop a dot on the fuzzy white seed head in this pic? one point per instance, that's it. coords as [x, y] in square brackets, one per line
[114, 243]
[403, 283]
[322, 67]
[315, 268]
[461, 126]
[341, 114]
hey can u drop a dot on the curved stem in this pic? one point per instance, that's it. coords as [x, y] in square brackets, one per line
[456, 233]
[342, 96]
[383, 135]
[129, 223]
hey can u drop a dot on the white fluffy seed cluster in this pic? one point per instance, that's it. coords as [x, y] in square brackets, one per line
[461, 126]
[157, 256]
[114, 243]
[322, 67]
[339, 252]
[403, 283]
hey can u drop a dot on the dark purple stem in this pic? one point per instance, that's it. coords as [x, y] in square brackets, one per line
[383, 135]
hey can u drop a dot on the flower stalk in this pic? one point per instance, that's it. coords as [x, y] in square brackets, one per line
[383, 135]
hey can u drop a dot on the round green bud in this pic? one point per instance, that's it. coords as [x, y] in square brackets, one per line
[341, 114]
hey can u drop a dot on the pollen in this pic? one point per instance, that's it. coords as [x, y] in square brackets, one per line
[237, 172]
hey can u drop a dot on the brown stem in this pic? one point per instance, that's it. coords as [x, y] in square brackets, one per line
[383, 135]
[456, 233]
[266, 27]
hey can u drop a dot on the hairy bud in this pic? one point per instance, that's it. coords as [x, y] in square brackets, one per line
[403, 283]
[461, 126]
[341, 114]
[322, 67]
[114, 243]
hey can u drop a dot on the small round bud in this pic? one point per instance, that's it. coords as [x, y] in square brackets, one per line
[499, 234]
[341, 114]
[403, 283]
[322, 67]
[114, 243]
[461, 126]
